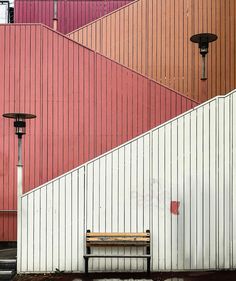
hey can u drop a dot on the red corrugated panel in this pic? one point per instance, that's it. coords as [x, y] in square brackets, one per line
[35, 11]
[71, 14]
[85, 104]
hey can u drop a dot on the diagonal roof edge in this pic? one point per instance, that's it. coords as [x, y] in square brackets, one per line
[132, 140]
[95, 52]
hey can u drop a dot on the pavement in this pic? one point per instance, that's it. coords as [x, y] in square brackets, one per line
[155, 276]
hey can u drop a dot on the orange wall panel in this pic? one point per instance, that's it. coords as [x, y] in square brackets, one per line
[153, 38]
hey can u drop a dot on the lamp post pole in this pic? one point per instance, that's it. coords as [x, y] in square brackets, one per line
[19, 168]
[20, 130]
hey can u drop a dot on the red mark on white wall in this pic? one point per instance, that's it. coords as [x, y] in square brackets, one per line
[174, 207]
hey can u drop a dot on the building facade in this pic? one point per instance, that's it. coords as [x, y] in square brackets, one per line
[190, 160]
[86, 104]
[153, 38]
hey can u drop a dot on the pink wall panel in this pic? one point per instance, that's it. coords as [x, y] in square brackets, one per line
[85, 104]
[35, 11]
[71, 14]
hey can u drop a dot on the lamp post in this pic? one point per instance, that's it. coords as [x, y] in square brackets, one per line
[55, 18]
[20, 130]
[203, 40]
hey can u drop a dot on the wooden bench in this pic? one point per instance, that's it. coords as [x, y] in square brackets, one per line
[117, 239]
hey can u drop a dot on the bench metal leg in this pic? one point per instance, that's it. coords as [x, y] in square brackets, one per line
[88, 251]
[148, 264]
[148, 253]
[86, 265]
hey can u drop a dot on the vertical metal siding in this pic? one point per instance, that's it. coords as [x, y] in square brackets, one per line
[153, 37]
[85, 104]
[56, 215]
[34, 11]
[190, 159]
[71, 14]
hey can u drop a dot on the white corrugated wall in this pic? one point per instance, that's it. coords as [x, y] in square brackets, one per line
[190, 159]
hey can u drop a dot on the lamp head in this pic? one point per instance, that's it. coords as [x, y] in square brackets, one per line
[19, 123]
[203, 40]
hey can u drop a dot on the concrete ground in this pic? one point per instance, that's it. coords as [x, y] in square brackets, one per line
[157, 276]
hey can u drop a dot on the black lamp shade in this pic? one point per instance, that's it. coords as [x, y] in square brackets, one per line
[19, 123]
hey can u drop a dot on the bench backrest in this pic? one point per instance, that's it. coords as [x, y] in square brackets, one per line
[116, 239]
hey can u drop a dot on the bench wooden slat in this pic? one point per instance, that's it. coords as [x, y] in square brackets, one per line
[118, 239]
[122, 244]
[117, 234]
[117, 256]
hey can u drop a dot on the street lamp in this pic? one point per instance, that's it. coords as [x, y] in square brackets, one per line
[203, 40]
[20, 130]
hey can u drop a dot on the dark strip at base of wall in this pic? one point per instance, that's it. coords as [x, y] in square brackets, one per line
[7, 244]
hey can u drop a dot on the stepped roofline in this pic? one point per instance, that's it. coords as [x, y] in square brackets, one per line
[100, 54]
